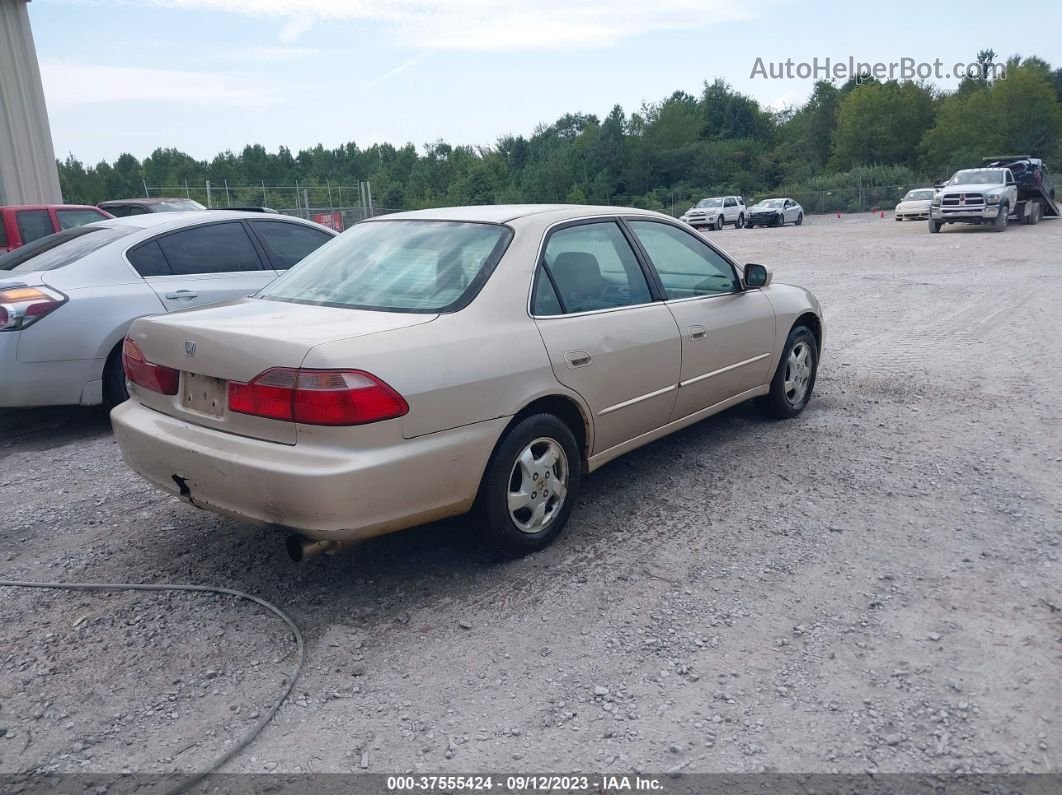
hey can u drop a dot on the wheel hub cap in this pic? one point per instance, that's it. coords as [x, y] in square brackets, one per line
[538, 485]
[797, 373]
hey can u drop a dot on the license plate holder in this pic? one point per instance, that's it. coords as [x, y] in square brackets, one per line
[204, 394]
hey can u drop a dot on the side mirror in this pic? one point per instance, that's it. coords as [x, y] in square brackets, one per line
[939, 184]
[756, 276]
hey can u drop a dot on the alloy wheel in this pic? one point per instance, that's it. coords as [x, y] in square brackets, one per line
[538, 485]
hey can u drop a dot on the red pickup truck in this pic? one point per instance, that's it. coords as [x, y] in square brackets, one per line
[24, 223]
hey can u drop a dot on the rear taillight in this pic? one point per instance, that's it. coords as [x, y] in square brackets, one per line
[317, 397]
[21, 307]
[141, 372]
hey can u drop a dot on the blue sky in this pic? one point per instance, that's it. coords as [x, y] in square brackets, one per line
[209, 75]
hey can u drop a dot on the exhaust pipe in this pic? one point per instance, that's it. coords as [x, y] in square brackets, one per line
[301, 548]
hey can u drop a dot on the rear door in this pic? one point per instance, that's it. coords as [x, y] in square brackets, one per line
[202, 264]
[606, 337]
[727, 332]
[286, 243]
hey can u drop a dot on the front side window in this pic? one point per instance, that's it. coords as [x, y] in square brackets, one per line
[33, 225]
[688, 267]
[593, 267]
[68, 219]
[288, 243]
[210, 248]
[397, 266]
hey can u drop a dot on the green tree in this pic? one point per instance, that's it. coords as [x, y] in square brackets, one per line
[881, 123]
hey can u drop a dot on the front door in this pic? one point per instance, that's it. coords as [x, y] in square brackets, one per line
[727, 333]
[607, 339]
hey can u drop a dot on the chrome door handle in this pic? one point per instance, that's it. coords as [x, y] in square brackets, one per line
[181, 294]
[697, 332]
[578, 358]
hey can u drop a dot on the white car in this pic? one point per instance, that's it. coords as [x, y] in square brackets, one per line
[716, 212]
[67, 300]
[775, 212]
[914, 206]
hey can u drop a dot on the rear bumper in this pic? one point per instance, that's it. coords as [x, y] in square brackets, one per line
[325, 492]
[27, 384]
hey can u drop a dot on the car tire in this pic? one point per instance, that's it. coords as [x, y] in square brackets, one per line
[519, 462]
[794, 378]
[1000, 222]
[740, 221]
[779, 220]
[114, 389]
[719, 222]
[934, 226]
[800, 219]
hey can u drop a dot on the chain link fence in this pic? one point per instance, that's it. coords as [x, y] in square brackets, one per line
[337, 206]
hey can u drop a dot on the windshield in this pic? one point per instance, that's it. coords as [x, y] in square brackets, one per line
[709, 203]
[772, 203]
[919, 195]
[61, 249]
[397, 266]
[979, 176]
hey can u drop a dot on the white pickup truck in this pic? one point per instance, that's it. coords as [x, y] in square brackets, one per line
[981, 196]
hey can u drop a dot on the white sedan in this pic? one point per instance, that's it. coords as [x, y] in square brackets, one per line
[914, 206]
[67, 300]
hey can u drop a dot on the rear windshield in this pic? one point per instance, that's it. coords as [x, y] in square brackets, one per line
[60, 249]
[397, 266]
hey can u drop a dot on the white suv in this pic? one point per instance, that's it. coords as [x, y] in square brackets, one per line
[715, 213]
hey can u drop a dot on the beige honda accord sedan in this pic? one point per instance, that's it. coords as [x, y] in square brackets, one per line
[427, 364]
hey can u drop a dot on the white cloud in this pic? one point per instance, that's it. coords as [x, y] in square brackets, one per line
[75, 83]
[295, 27]
[788, 99]
[397, 70]
[491, 25]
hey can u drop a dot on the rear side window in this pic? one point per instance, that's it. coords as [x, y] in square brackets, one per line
[593, 267]
[61, 249]
[33, 225]
[211, 248]
[71, 218]
[287, 243]
[3, 231]
[149, 260]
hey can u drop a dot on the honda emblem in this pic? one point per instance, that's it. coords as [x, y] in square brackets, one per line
[189, 348]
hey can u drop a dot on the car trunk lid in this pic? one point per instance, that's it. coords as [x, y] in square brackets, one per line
[238, 341]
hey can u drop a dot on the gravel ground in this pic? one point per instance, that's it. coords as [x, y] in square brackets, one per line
[873, 586]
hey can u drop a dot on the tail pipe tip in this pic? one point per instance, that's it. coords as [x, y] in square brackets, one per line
[301, 548]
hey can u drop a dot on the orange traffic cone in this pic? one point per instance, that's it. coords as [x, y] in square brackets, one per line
[838, 213]
[882, 213]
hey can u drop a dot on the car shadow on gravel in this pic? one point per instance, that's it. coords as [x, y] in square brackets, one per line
[25, 430]
[385, 578]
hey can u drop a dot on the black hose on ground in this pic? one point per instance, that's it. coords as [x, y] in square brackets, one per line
[195, 778]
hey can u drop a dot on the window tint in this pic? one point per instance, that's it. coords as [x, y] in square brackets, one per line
[730, 203]
[405, 266]
[71, 218]
[687, 266]
[148, 260]
[136, 209]
[33, 225]
[288, 243]
[211, 248]
[3, 231]
[117, 210]
[544, 301]
[60, 249]
[594, 267]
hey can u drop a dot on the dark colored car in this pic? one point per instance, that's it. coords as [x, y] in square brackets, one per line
[120, 208]
[1029, 172]
[23, 223]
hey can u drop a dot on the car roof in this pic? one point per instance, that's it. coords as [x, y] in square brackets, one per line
[47, 207]
[176, 220]
[503, 213]
[152, 200]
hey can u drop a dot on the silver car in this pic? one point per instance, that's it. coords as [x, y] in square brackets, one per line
[429, 363]
[67, 300]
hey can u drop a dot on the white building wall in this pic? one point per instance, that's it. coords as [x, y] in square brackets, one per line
[28, 174]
